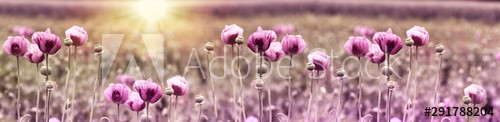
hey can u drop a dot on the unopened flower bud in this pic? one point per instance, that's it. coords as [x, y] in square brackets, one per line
[466, 100]
[209, 46]
[145, 118]
[340, 72]
[169, 91]
[258, 84]
[310, 66]
[45, 70]
[391, 85]
[50, 85]
[199, 98]
[409, 42]
[439, 48]
[240, 40]
[262, 69]
[387, 71]
[68, 42]
[98, 48]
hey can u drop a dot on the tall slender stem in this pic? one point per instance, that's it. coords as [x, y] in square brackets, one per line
[416, 84]
[18, 90]
[169, 108]
[214, 98]
[290, 85]
[66, 85]
[269, 101]
[408, 82]
[99, 78]
[175, 108]
[37, 93]
[261, 113]
[118, 112]
[380, 84]
[389, 103]
[199, 114]
[235, 99]
[147, 111]
[310, 97]
[437, 82]
[47, 95]
[241, 83]
[340, 99]
[359, 91]
[316, 97]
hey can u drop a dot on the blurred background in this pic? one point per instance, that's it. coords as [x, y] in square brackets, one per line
[469, 30]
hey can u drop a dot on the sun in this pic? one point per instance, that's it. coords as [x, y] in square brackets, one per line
[151, 10]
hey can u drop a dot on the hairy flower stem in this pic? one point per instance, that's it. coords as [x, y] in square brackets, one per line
[310, 97]
[290, 85]
[117, 112]
[199, 114]
[169, 108]
[175, 108]
[416, 84]
[380, 84]
[359, 91]
[147, 110]
[235, 99]
[340, 99]
[261, 112]
[241, 83]
[316, 97]
[389, 102]
[18, 105]
[66, 85]
[37, 93]
[437, 82]
[388, 106]
[214, 98]
[47, 95]
[99, 78]
[408, 82]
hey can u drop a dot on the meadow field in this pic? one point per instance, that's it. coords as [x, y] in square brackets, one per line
[145, 46]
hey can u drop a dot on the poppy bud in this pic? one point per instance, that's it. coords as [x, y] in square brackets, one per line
[68, 42]
[46, 71]
[199, 98]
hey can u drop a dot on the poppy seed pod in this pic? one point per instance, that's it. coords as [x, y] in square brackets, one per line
[145, 118]
[209, 46]
[98, 48]
[68, 42]
[199, 98]
[409, 42]
[46, 71]
[169, 91]
[466, 100]
[340, 72]
[240, 40]
[439, 48]
[258, 84]
[50, 85]
[310, 66]
[391, 85]
[262, 69]
[387, 71]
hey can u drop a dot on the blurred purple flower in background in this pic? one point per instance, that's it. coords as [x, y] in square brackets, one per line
[54, 119]
[283, 29]
[179, 84]
[47, 42]
[134, 102]
[375, 54]
[364, 31]
[230, 33]
[148, 90]
[497, 56]
[125, 79]
[419, 35]
[34, 55]
[260, 40]
[117, 93]
[320, 60]
[293, 44]
[78, 35]
[395, 119]
[357, 46]
[476, 93]
[25, 31]
[274, 53]
[16, 45]
[388, 42]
